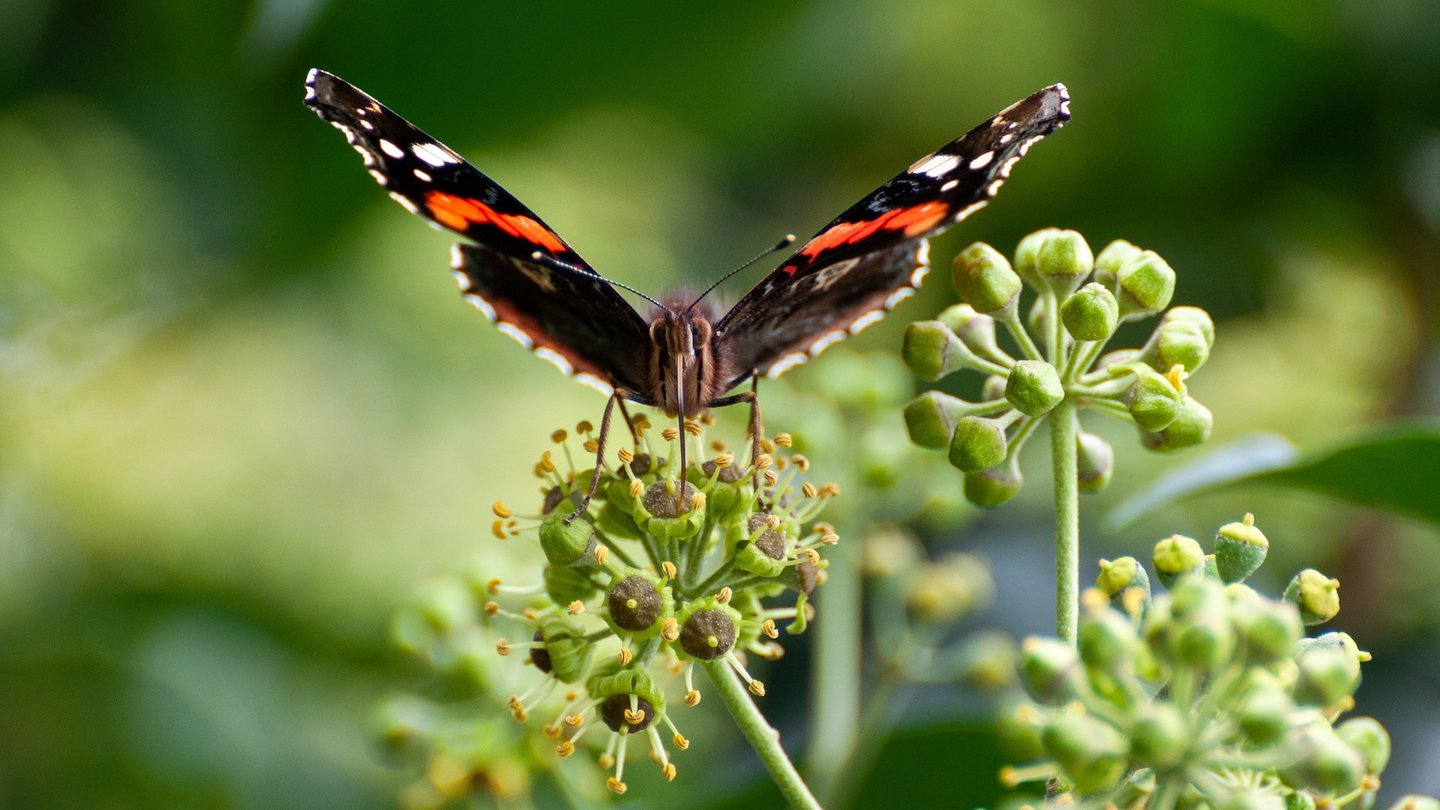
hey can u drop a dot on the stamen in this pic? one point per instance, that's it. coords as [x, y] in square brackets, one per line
[625, 656]
[625, 455]
[723, 597]
[669, 434]
[809, 490]
[670, 629]
[584, 426]
[693, 428]
[768, 628]
[724, 460]
[575, 608]
[500, 510]
[559, 436]
[783, 439]
[667, 568]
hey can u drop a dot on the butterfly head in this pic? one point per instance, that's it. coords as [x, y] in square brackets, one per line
[684, 367]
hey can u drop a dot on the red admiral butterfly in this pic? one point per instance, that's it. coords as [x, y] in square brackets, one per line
[686, 355]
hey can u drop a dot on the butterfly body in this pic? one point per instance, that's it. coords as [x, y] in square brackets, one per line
[687, 365]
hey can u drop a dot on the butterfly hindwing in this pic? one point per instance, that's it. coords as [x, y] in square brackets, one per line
[556, 304]
[873, 255]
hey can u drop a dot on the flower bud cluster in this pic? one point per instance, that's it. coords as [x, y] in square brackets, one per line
[1208, 694]
[662, 570]
[1057, 353]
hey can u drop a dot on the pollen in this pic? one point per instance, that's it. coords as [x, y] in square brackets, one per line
[801, 461]
[616, 785]
[783, 439]
[768, 628]
[771, 479]
[692, 698]
[575, 608]
[724, 460]
[625, 455]
[668, 771]
[636, 488]
[693, 428]
[669, 434]
[767, 445]
[592, 446]
[492, 608]
[811, 556]
[565, 749]
[723, 597]
[763, 460]
[584, 426]
[559, 436]
[501, 510]
[546, 463]
[718, 446]
[757, 688]
[493, 585]
[670, 629]
[1176, 375]
[503, 647]
[602, 554]
[575, 720]
[679, 739]
[625, 656]
[829, 539]
[667, 569]
[498, 529]
[697, 501]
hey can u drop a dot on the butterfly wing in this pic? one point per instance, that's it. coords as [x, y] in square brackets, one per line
[561, 308]
[875, 254]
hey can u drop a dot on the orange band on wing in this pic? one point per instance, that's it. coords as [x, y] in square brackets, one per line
[458, 213]
[911, 221]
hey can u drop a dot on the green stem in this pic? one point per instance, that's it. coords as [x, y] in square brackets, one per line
[762, 737]
[1067, 520]
[835, 702]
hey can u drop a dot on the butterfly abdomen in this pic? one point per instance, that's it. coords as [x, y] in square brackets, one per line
[687, 364]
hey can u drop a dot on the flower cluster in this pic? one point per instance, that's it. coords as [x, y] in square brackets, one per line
[1209, 694]
[1060, 346]
[665, 569]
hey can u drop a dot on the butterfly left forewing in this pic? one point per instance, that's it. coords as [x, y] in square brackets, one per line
[874, 254]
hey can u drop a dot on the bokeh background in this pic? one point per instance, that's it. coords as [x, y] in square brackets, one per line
[243, 413]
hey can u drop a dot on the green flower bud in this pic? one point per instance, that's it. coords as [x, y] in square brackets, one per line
[1414, 802]
[932, 351]
[1117, 254]
[1268, 630]
[1050, 669]
[1091, 313]
[931, 417]
[1317, 596]
[1183, 341]
[1144, 285]
[976, 331]
[978, 444]
[1095, 462]
[1118, 576]
[567, 544]
[943, 591]
[1107, 641]
[565, 585]
[1366, 735]
[1091, 752]
[1190, 428]
[1329, 765]
[1327, 670]
[708, 629]
[637, 604]
[1299, 801]
[1159, 736]
[1176, 556]
[665, 514]
[992, 487]
[1153, 401]
[1195, 596]
[1252, 798]
[984, 278]
[1054, 259]
[567, 652]
[1204, 642]
[1034, 387]
[1266, 712]
[1239, 549]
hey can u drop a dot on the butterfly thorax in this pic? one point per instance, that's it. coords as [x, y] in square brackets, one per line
[685, 367]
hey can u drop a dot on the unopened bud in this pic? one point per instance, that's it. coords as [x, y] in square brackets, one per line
[1153, 401]
[1176, 556]
[1118, 576]
[931, 417]
[1191, 427]
[977, 444]
[1050, 669]
[1240, 548]
[1183, 341]
[1327, 670]
[992, 487]
[1366, 735]
[1108, 262]
[932, 351]
[1091, 313]
[1329, 765]
[567, 544]
[1159, 736]
[1034, 387]
[1145, 285]
[984, 278]
[1095, 462]
[975, 330]
[1054, 259]
[1091, 752]
[1317, 596]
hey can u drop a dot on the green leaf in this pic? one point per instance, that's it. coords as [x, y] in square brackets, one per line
[1390, 468]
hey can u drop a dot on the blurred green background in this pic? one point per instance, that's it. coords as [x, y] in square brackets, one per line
[243, 412]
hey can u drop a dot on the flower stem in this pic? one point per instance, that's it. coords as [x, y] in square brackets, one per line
[1067, 520]
[835, 703]
[763, 738]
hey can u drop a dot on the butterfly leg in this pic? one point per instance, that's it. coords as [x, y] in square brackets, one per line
[618, 395]
[753, 397]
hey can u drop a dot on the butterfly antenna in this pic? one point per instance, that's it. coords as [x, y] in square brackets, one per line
[779, 246]
[545, 258]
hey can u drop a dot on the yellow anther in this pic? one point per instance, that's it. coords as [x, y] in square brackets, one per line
[781, 463]
[565, 749]
[692, 698]
[518, 712]
[693, 428]
[768, 628]
[625, 455]
[616, 785]
[767, 445]
[592, 446]
[811, 556]
[1176, 375]
[707, 419]
[772, 521]
[492, 608]
[763, 460]
[723, 597]
[679, 739]
[530, 614]
[538, 470]
[584, 426]
[697, 501]
[606, 761]
[503, 647]
[784, 440]
[801, 461]
[718, 446]
[493, 585]
[771, 479]
[757, 688]
[670, 629]
[575, 720]
[636, 488]
[724, 460]
[625, 656]
[831, 489]
[601, 555]
[550, 731]
[667, 569]
[498, 529]
[670, 434]
[559, 436]
[809, 490]
[500, 510]
[546, 463]
[829, 539]
[634, 716]
[668, 771]
[575, 608]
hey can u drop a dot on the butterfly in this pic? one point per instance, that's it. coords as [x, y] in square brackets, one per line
[686, 356]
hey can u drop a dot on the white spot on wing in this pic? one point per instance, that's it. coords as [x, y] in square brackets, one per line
[868, 319]
[456, 257]
[405, 201]
[970, 209]
[595, 382]
[555, 359]
[826, 341]
[391, 149]
[786, 363]
[369, 127]
[461, 280]
[485, 308]
[378, 177]
[421, 175]
[898, 296]
[434, 154]
[981, 161]
[937, 165]
[514, 332]
[1006, 138]
[994, 188]
[949, 184]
